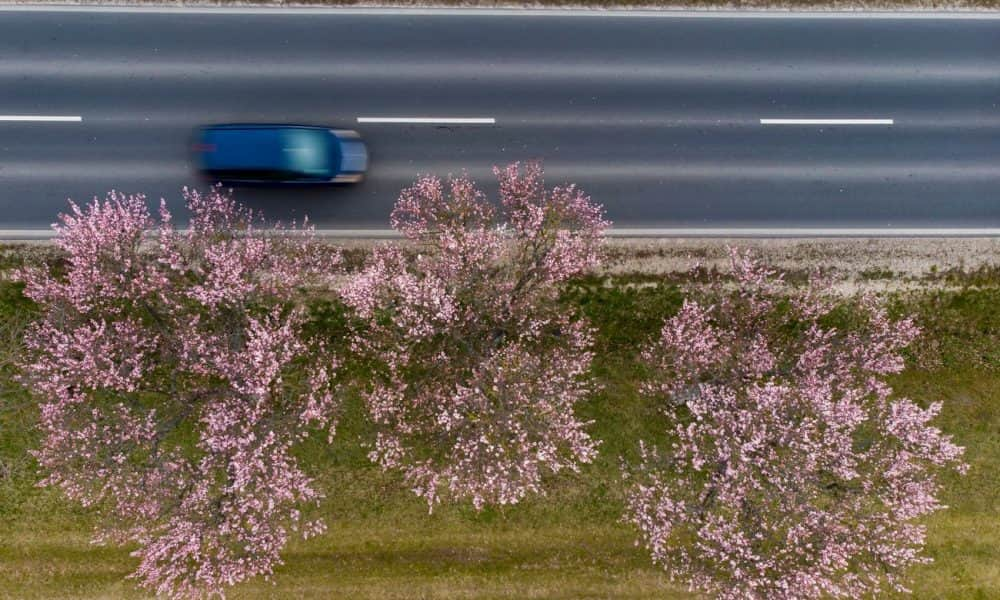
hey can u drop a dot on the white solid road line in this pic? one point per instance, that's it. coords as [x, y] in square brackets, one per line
[732, 232]
[826, 121]
[669, 232]
[510, 11]
[429, 120]
[806, 232]
[41, 118]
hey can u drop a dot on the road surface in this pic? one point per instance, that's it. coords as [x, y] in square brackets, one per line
[710, 124]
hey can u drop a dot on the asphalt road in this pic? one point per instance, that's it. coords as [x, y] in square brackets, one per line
[658, 118]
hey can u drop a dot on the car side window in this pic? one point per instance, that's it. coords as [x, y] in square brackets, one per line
[257, 175]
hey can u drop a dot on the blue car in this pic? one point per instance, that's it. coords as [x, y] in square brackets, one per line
[280, 154]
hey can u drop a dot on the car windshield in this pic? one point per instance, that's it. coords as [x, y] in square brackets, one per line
[307, 151]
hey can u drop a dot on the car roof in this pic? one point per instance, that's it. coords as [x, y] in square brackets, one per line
[294, 148]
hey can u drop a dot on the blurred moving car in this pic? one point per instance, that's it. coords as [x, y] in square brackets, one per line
[248, 154]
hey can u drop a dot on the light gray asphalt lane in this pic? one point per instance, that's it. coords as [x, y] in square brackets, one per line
[658, 118]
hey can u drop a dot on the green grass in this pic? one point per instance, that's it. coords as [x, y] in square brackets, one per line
[383, 544]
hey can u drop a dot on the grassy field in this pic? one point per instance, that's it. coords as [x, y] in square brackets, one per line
[383, 544]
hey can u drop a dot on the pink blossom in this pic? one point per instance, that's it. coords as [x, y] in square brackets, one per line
[161, 366]
[793, 472]
[481, 367]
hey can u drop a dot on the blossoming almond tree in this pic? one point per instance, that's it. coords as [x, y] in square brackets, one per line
[174, 382]
[794, 472]
[479, 366]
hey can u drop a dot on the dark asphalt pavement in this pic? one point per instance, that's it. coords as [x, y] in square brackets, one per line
[657, 118]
